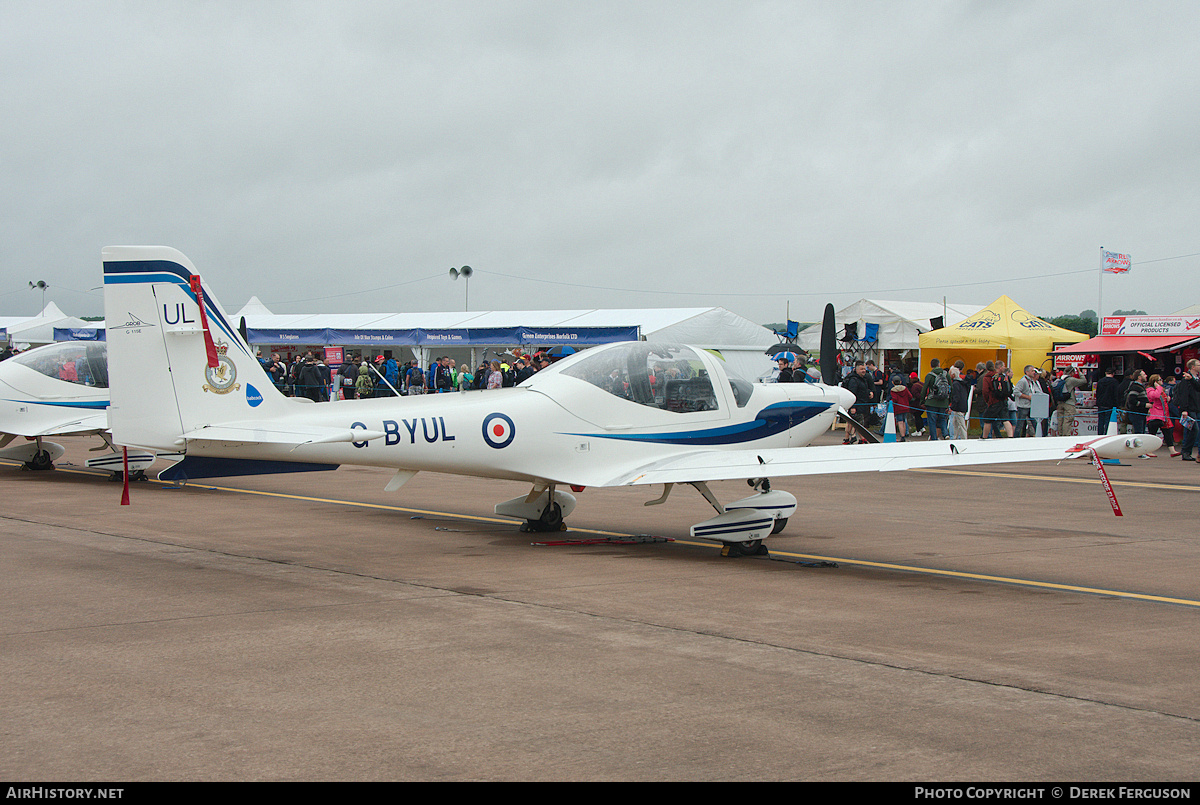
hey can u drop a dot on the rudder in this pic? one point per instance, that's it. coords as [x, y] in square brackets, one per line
[161, 381]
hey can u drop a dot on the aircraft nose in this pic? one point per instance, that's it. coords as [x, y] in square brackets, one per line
[845, 397]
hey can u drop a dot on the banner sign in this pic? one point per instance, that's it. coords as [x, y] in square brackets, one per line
[577, 335]
[315, 336]
[1150, 325]
[78, 334]
[1076, 361]
[1115, 263]
[444, 338]
[465, 337]
[365, 338]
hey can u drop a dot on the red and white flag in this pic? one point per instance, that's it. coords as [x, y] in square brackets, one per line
[1115, 263]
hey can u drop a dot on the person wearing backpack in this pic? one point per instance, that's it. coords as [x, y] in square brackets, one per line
[414, 379]
[937, 400]
[1066, 406]
[363, 384]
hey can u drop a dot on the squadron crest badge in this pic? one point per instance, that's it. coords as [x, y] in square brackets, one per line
[221, 378]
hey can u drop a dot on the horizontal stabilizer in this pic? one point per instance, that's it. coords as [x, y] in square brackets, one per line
[258, 432]
[193, 467]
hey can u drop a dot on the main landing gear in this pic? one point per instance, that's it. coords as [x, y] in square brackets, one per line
[741, 526]
[544, 509]
[551, 519]
[34, 455]
[40, 462]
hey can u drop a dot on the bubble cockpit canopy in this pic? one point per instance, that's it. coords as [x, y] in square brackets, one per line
[79, 362]
[670, 377]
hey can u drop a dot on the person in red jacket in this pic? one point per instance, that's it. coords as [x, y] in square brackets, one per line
[901, 406]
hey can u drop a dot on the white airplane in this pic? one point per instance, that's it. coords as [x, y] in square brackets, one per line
[59, 390]
[630, 413]
[54, 390]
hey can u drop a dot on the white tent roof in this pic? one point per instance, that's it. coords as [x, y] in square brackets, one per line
[253, 307]
[39, 329]
[742, 342]
[714, 326]
[900, 323]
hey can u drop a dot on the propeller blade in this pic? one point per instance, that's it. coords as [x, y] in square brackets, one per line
[863, 430]
[829, 348]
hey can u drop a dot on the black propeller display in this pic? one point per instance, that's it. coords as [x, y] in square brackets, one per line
[829, 368]
[829, 349]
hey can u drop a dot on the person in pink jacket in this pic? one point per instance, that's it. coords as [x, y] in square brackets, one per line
[1158, 418]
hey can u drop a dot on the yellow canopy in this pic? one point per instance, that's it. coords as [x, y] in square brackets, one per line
[1001, 331]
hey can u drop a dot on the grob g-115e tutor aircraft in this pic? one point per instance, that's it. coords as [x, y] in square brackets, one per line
[630, 413]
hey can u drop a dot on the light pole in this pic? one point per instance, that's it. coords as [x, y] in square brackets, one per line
[43, 285]
[465, 272]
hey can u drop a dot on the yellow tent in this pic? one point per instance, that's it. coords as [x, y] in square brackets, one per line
[1001, 331]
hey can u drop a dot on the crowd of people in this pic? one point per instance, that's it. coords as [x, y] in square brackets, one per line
[383, 376]
[938, 404]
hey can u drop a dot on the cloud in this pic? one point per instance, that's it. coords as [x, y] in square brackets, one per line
[681, 153]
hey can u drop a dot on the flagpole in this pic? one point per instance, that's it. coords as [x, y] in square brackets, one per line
[1100, 295]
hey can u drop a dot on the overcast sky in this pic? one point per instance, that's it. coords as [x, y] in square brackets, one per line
[605, 154]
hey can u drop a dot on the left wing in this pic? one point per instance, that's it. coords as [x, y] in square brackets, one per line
[728, 465]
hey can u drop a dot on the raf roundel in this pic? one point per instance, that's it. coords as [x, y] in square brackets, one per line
[498, 430]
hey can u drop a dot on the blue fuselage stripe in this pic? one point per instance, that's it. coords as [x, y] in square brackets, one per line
[94, 405]
[772, 420]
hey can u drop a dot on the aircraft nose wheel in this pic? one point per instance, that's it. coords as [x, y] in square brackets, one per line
[779, 525]
[551, 519]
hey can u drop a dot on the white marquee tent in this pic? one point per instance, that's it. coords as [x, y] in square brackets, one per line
[898, 324]
[741, 342]
[39, 329]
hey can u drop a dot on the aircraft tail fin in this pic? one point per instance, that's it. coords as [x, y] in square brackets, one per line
[174, 366]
